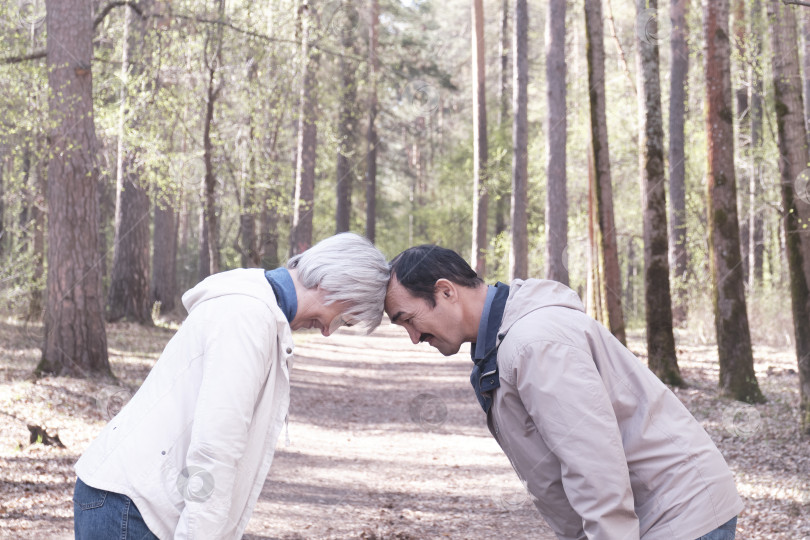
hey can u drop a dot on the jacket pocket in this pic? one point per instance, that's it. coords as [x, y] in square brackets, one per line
[86, 497]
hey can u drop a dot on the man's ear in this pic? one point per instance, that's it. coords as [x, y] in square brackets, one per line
[446, 290]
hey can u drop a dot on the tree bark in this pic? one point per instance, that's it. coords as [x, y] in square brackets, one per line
[301, 234]
[743, 139]
[503, 53]
[502, 202]
[204, 252]
[737, 377]
[740, 41]
[75, 339]
[346, 125]
[268, 233]
[480, 196]
[210, 182]
[594, 285]
[164, 253]
[609, 259]
[519, 252]
[556, 196]
[271, 198]
[793, 153]
[657, 301]
[632, 272]
[756, 244]
[679, 82]
[129, 295]
[3, 240]
[806, 56]
[39, 214]
[371, 133]
[248, 244]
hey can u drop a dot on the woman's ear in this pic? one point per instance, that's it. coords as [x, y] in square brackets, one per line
[446, 290]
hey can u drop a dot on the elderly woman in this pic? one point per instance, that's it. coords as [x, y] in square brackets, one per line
[188, 455]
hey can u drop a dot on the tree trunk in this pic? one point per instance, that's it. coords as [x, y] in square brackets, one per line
[503, 53]
[75, 339]
[3, 240]
[594, 285]
[609, 260]
[806, 56]
[39, 215]
[371, 133]
[106, 224]
[502, 203]
[129, 295]
[271, 198]
[210, 180]
[737, 377]
[519, 253]
[164, 253]
[657, 301]
[204, 251]
[301, 234]
[743, 138]
[346, 125]
[268, 233]
[796, 205]
[480, 196]
[248, 244]
[632, 272]
[556, 196]
[679, 78]
[740, 37]
[756, 244]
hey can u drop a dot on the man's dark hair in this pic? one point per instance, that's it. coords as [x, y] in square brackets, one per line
[420, 267]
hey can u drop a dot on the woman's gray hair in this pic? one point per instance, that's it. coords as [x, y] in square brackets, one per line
[349, 269]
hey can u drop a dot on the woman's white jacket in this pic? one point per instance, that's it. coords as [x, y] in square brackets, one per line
[193, 446]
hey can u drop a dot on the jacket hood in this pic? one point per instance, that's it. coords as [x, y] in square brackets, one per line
[246, 281]
[532, 294]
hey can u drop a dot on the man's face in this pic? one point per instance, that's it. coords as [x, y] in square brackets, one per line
[439, 325]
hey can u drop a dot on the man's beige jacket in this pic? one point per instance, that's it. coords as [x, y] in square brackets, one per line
[606, 450]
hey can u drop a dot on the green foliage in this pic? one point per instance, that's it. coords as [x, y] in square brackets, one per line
[424, 126]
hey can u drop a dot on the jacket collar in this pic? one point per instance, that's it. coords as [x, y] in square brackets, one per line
[484, 377]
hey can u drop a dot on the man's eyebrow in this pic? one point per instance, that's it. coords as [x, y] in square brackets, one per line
[396, 317]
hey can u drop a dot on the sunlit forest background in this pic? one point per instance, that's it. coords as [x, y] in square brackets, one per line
[651, 155]
[250, 54]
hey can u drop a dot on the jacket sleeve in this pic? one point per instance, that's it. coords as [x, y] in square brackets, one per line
[564, 395]
[237, 332]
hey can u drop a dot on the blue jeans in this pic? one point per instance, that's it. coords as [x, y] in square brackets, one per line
[725, 531]
[104, 515]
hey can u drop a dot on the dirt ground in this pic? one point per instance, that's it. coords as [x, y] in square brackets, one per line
[386, 441]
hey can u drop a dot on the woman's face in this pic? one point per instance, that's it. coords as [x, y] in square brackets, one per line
[313, 312]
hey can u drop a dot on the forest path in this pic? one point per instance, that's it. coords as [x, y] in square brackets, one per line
[387, 441]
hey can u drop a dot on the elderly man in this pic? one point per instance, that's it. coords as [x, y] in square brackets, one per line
[606, 450]
[188, 455]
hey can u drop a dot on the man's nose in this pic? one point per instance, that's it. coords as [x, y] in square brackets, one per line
[414, 335]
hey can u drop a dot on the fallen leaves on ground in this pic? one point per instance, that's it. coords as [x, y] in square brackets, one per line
[387, 441]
